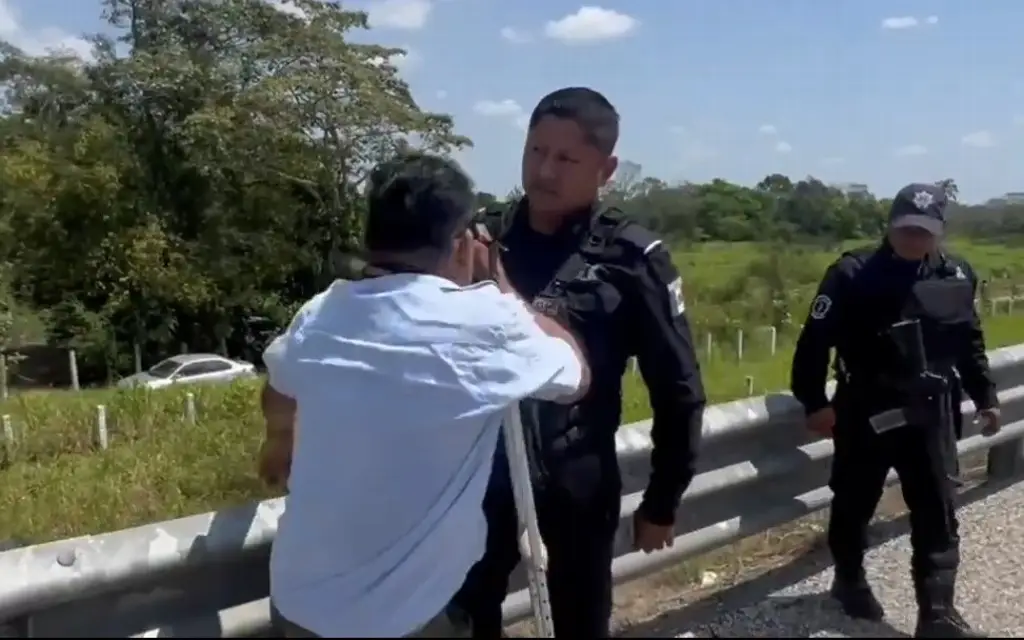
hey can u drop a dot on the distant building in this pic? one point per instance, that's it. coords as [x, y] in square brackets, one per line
[852, 188]
[1013, 197]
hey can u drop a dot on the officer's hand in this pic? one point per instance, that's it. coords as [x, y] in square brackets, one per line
[822, 422]
[990, 421]
[275, 463]
[648, 537]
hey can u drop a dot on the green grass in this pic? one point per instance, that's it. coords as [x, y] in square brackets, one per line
[715, 262]
[725, 379]
[56, 483]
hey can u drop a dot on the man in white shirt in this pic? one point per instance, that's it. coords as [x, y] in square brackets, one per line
[385, 398]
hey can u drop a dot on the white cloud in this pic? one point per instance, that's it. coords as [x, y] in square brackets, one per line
[515, 36]
[506, 109]
[591, 24]
[979, 139]
[783, 147]
[498, 108]
[767, 130]
[409, 15]
[284, 6]
[900, 22]
[907, 22]
[39, 41]
[911, 150]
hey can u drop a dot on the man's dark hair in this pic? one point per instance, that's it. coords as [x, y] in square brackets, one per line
[417, 202]
[588, 109]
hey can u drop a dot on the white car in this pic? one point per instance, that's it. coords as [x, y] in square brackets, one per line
[190, 368]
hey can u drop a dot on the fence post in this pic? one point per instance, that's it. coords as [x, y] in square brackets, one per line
[101, 426]
[8, 427]
[3, 376]
[190, 407]
[73, 366]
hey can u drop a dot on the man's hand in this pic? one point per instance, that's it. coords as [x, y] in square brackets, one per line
[990, 421]
[526, 552]
[822, 422]
[275, 463]
[648, 537]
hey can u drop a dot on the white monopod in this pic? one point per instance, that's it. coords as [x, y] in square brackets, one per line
[530, 544]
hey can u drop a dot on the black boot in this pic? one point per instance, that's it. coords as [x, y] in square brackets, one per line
[853, 593]
[937, 616]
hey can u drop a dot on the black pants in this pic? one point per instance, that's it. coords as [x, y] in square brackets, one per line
[578, 512]
[862, 461]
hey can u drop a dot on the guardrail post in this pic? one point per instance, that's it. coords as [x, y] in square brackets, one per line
[20, 627]
[1006, 460]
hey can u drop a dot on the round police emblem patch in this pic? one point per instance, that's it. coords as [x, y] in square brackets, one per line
[820, 307]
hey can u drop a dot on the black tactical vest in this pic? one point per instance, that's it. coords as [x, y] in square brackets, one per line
[941, 298]
[575, 292]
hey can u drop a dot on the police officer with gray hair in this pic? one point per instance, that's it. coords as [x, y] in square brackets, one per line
[864, 306]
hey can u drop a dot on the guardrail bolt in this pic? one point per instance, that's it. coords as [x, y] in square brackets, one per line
[66, 558]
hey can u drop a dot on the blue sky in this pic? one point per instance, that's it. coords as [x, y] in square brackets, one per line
[848, 91]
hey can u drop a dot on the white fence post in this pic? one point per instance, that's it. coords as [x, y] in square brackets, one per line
[101, 426]
[190, 408]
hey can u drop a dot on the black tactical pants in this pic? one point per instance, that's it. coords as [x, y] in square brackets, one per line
[862, 461]
[578, 512]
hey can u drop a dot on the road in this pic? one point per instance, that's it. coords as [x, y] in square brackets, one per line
[791, 602]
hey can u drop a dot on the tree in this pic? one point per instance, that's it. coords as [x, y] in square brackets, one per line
[205, 176]
[949, 186]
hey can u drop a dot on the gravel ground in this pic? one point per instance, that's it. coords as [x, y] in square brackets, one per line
[990, 590]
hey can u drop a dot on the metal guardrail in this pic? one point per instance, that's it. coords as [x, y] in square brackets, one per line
[206, 575]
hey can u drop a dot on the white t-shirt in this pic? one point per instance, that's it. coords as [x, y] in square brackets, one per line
[401, 383]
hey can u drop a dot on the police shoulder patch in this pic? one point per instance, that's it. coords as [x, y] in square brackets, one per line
[677, 303]
[821, 306]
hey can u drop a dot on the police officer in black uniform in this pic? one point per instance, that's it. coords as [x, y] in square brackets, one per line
[613, 283]
[863, 294]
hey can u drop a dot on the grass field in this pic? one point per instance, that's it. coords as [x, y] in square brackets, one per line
[716, 262]
[732, 285]
[55, 483]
